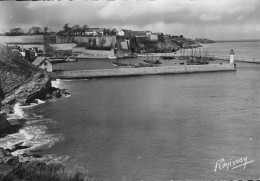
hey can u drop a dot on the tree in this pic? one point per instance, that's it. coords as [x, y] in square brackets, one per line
[84, 29]
[15, 31]
[45, 29]
[94, 42]
[113, 31]
[89, 41]
[102, 42]
[108, 31]
[35, 30]
[67, 29]
[76, 29]
[61, 32]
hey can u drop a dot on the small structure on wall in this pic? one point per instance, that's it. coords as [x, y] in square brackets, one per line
[43, 63]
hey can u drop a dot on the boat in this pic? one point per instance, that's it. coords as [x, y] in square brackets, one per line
[128, 56]
[119, 64]
[145, 65]
[152, 62]
[191, 62]
[56, 60]
[111, 57]
[167, 57]
[133, 65]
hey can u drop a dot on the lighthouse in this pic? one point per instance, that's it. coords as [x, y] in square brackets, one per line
[231, 56]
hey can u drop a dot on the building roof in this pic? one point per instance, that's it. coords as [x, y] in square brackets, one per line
[39, 60]
[139, 33]
[125, 30]
[94, 29]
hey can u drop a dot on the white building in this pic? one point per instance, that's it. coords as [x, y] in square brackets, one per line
[154, 36]
[120, 33]
[43, 63]
[148, 33]
[125, 44]
[232, 56]
[95, 31]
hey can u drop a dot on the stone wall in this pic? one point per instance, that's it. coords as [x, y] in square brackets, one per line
[105, 53]
[63, 46]
[110, 40]
[25, 39]
[119, 72]
[27, 46]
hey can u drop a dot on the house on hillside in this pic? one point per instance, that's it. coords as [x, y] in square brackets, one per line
[95, 31]
[43, 63]
[139, 34]
[148, 33]
[154, 36]
[125, 33]
[121, 32]
[125, 44]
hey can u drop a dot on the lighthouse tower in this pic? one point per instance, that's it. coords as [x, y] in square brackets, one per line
[231, 56]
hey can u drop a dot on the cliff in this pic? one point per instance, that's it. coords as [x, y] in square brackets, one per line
[5, 126]
[21, 81]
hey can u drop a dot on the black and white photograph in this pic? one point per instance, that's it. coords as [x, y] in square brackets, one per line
[129, 90]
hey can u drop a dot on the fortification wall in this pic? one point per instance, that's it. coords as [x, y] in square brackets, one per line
[110, 41]
[24, 39]
[63, 46]
[105, 53]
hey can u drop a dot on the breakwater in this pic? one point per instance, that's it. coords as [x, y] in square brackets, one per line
[237, 59]
[121, 72]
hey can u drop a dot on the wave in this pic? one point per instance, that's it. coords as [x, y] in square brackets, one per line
[18, 112]
[40, 101]
[56, 83]
[33, 134]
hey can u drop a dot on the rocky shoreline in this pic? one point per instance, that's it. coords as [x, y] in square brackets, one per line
[23, 83]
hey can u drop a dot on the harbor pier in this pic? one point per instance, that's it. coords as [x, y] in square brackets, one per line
[125, 72]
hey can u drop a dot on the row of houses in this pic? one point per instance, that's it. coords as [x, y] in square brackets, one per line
[95, 31]
[152, 36]
[124, 32]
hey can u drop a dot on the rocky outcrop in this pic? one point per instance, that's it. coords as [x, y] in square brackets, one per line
[7, 158]
[7, 127]
[203, 40]
[21, 81]
[183, 42]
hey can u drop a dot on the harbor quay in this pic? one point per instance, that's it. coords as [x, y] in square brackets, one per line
[126, 72]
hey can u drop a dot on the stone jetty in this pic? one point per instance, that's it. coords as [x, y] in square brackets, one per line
[124, 72]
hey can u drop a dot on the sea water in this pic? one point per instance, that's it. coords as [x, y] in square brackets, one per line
[161, 127]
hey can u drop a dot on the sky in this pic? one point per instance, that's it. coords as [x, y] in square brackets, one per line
[213, 19]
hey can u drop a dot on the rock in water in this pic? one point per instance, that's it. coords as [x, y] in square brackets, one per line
[2, 95]
[7, 158]
[9, 128]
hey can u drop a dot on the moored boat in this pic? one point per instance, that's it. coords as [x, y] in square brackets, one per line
[119, 64]
[112, 57]
[152, 62]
